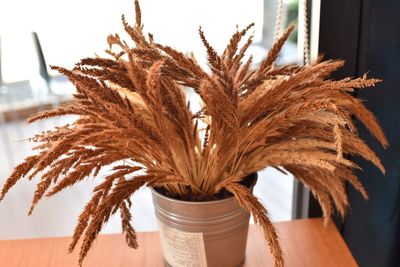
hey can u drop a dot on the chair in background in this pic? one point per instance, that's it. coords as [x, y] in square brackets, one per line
[57, 85]
[22, 98]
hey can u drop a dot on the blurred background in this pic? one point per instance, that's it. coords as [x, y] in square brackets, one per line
[39, 33]
[36, 34]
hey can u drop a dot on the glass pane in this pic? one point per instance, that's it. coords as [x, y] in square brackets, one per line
[71, 30]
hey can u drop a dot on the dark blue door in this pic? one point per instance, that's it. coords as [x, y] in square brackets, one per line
[366, 33]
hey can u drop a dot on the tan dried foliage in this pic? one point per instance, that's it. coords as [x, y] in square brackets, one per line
[134, 115]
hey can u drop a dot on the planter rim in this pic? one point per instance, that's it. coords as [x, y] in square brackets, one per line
[189, 202]
[160, 195]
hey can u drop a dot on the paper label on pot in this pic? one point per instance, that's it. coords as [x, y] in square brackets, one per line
[182, 249]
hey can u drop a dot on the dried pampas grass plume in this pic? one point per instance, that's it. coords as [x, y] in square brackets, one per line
[134, 115]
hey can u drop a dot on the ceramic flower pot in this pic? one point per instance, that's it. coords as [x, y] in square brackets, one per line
[200, 234]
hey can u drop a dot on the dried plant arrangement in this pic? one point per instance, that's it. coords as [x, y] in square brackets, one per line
[134, 115]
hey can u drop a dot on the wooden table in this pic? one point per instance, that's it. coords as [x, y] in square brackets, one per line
[305, 243]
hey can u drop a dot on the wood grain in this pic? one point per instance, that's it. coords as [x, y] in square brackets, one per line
[305, 243]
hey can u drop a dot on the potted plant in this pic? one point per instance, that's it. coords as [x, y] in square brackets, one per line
[134, 115]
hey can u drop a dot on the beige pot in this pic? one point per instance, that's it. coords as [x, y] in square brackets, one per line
[200, 234]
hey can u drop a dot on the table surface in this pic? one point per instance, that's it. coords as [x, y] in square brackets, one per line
[305, 243]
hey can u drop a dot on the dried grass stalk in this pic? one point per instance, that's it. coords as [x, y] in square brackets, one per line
[134, 115]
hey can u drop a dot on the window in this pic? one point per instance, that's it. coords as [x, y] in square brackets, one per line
[71, 30]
